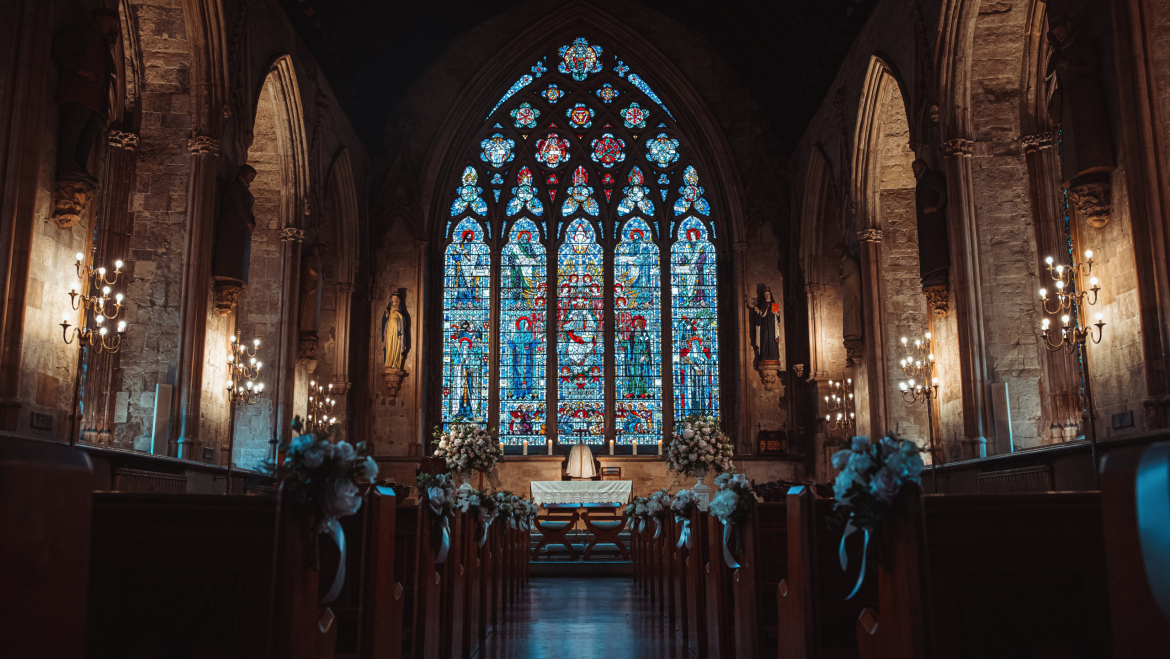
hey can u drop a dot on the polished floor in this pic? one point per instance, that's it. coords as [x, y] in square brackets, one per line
[583, 618]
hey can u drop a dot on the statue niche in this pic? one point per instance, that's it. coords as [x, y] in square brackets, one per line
[766, 336]
[1078, 107]
[309, 316]
[934, 256]
[233, 241]
[82, 54]
[395, 342]
[851, 322]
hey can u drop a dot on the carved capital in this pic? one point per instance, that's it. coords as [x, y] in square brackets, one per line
[121, 140]
[1033, 143]
[869, 235]
[70, 197]
[393, 378]
[307, 346]
[854, 351]
[958, 147]
[1093, 202]
[937, 298]
[201, 144]
[227, 296]
[769, 370]
[292, 234]
[740, 247]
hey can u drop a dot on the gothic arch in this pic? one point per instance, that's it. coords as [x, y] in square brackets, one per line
[341, 206]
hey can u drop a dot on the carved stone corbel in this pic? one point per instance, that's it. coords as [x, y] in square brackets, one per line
[1033, 143]
[70, 198]
[937, 299]
[200, 144]
[958, 147]
[121, 140]
[769, 370]
[1093, 201]
[393, 378]
[227, 296]
[292, 234]
[854, 351]
[869, 236]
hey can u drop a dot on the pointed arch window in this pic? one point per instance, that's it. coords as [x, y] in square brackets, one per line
[597, 318]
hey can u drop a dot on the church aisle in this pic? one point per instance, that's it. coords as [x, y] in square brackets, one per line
[583, 618]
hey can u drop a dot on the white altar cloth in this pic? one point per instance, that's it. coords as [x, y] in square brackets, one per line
[581, 491]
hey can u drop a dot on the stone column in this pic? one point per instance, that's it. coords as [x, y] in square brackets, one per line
[873, 321]
[968, 302]
[102, 374]
[420, 344]
[289, 333]
[743, 431]
[201, 196]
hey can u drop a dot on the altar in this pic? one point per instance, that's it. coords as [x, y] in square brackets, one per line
[578, 492]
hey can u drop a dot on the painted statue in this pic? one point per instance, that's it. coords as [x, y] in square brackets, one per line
[82, 54]
[1078, 104]
[767, 322]
[395, 333]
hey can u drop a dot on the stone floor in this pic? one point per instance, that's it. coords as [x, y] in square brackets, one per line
[583, 618]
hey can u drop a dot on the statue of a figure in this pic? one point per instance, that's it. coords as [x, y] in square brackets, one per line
[82, 53]
[851, 322]
[395, 333]
[233, 230]
[930, 197]
[311, 283]
[1078, 104]
[767, 322]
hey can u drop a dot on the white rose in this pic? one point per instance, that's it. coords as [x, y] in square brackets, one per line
[688, 433]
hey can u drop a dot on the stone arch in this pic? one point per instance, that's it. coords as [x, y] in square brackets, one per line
[820, 232]
[268, 305]
[342, 213]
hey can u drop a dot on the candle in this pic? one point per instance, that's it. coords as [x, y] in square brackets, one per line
[550, 447]
[526, 447]
[660, 447]
[635, 447]
[611, 447]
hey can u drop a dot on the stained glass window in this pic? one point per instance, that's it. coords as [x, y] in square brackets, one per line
[695, 324]
[525, 194]
[580, 195]
[497, 150]
[525, 116]
[691, 194]
[634, 116]
[468, 194]
[608, 150]
[552, 150]
[638, 342]
[607, 93]
[636, 196]
[662, 150]
[466, 309]
[580, 342]
[580, 116]
[552, 94]
[579, 59]
[523, 322]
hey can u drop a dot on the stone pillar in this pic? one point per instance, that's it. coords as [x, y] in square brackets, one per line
[201, 196]
[112, 238]
[1061, 401]
[968, 302]
[286, 356]
[873, 320]
[341, 341]
[418, 350]
[743, 430]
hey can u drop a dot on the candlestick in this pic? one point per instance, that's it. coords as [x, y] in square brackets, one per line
[550, 447]
[635, 447]
[611, 447]
[526, 447]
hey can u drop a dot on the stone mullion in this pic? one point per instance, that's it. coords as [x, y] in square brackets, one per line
[747, 356]
[494, 418]
[112, 242]
[666, 325]
[873, 320]
[1062, 391]
[201, 196]
[609, 331]
[552, 306]
[968, 303]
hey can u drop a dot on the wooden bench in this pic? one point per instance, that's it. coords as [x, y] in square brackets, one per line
[696, 585]
[406, 532]
[678, 571]
[606, 528]
[720, 601]
[991, 575]
[762, 566]
[188, 575]
[369, 607]
[555, 528]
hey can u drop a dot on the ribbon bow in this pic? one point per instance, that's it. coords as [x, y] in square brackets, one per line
[728, 557]
[657, 528]
[844, 558]
[684, 533]
[332, 528]
[436, 504]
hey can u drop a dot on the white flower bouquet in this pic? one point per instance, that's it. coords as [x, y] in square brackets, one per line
[872, 478]
[684, 505]
[482, 505]
[732, 505]
[467, 448]
[638, 511]
[698, 443]
[658, 507]
[517, 510]
[437, 492]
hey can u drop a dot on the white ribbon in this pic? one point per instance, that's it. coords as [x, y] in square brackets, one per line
[844, 558]
[1152, 489]
[657, 528]
[641, 525]
[487, 524]
[446, 546]
[512, 523]
[727, 556]
[332, 528]
[684, 532]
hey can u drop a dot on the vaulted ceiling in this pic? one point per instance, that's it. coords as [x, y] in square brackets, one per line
[372, 51]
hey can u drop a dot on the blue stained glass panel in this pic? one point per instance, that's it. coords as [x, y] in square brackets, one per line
[695, 323]
[637, 348]
[580, 344]
[466, 309]
[523, 338]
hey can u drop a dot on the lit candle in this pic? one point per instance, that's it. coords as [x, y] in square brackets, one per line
[526, 447]
[550, 447]
[611, 447]
[660, 447]
[635, 447]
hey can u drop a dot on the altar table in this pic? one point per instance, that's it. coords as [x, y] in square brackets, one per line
[581, 492]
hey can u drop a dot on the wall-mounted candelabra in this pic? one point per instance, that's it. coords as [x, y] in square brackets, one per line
[839, 405]
[1071, 335]
[243, 369]
[320, 408]
[921, 386]
[95, 309]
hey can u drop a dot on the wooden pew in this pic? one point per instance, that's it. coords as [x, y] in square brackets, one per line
[762, 566]
[406, 532]
[815, 619]
[1014, 575]
[720, 602]
[666, 568]
[1140, 627]
[369, 607]
[696, 585]
[186, 575]
[679, 572]
[473, 565]
[428, 591]
[43, 584]
[453, 575]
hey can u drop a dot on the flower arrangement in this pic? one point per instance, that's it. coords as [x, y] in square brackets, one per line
[684, 505]
[732, 504]
[483, 505]
[438, 493]
[517, 510]
[467, 448]
[698, 445]
[638, 510]
[872, 477]
[658, 507]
